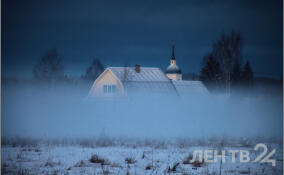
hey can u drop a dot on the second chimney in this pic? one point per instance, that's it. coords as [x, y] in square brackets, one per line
[137, 68]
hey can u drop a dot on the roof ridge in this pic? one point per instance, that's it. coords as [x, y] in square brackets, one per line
[187, 80]
[156, 81]
[134, 67]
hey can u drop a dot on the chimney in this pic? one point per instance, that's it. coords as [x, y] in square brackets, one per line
[137, 68]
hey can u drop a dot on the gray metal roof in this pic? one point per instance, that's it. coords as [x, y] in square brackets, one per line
[148, 80]
[154, 80]
[189, 87]
[146, 74]
[151, 87]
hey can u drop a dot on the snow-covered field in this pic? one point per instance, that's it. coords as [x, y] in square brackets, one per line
[128, 158]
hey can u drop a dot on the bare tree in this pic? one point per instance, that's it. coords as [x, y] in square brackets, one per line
[126, 77]
[126, 71]
[227, 50]
[50, 67]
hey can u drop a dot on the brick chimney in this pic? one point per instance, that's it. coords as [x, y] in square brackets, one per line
[137, 68]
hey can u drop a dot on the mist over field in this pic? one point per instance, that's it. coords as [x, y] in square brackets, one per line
[63, 111]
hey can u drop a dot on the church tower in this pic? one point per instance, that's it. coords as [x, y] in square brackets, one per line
[173, 72]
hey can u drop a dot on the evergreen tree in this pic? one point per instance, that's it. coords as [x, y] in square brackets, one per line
[210, 73]
[236, 74]
[227, 50]
[247, 75]
[94, 70]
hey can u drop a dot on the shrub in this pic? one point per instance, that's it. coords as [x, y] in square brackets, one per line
[188, 159]
[49, 164]
[130, 160]
[174, 168]
[81, 163]
[106, 172]
[148, 167]
[19, 142]
[97, 159]
[87, 143]
[196, 163]
[23, 171]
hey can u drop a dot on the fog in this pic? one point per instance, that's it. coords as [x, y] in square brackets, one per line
[63, 111]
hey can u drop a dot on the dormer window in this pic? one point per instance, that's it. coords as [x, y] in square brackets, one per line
[113, 88]
[109, 88]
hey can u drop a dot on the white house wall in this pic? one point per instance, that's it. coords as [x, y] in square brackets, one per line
[106, 78]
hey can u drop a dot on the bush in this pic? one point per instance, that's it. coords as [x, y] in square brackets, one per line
[196, 163]
[81, 163]
[130, 160]
[97, 159]
[50, 163]
[148, 167]
[19, 142]
[188, 159]
[174, 168]
[23, 171]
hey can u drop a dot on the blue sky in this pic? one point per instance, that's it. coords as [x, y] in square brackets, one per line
[120, 32]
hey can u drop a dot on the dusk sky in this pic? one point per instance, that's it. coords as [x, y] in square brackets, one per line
[120, 32]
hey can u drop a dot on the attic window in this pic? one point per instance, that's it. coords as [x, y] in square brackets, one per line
[113, 88]
[109, 88]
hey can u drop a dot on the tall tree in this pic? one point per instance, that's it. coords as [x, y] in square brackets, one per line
[94, 70]
[227, 50]
[236, 74]
[50, 67]
[211, 72]
[247, 75]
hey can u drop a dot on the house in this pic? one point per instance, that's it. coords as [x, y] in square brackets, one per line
[127, 81]
[122, 81]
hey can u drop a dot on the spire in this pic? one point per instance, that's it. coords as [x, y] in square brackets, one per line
[173, 51]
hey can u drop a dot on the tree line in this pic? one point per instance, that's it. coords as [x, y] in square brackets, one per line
[222, 69]
[50, 68]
